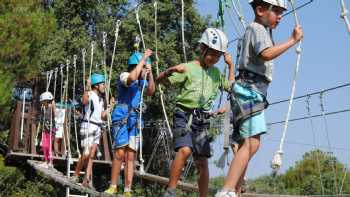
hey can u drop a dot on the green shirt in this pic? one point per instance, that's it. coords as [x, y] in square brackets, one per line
[198, 86]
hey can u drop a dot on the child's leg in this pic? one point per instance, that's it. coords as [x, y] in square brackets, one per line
[82, 160]
[88, 171]
[240, 162]
[129, 168]
[203, 171]
[118, 157]
[46, 154]
[176, 167]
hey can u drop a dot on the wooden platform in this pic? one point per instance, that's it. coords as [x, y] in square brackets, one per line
[102, 163]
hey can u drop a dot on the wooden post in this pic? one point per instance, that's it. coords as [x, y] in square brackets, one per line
[105, 143]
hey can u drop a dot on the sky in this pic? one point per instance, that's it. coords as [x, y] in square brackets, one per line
[324, 64]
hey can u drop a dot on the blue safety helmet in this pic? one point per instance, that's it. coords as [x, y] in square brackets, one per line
[135, 58]
[97, 78]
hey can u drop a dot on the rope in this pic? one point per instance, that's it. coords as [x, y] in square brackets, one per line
[140, 28]
[238, 10]
[328, 141]
[55, 83]
[83, 53]
[297, 8]
[74, 117]
[307, 117]
[66, 102]
[157, 69]
[109, 119]
[62, 101]
[314, 141]
[48, 79]
[343, 180]
[118, 23]
[183, 29]
[344, 14]
[312, 93]
[277, 160]
[142, 171]
[23, 109]
[91, 58]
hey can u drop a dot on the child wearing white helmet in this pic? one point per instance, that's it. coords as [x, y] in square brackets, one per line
[90, 128]
[198, 81]
[47, 117]
[248, 95]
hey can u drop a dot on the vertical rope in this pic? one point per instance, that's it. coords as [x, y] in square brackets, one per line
[23, 109]
[91, 57]
[142, 92]
[157, 67]
[277, 160]
[83, 53]
[314, 141]
[183, 29]
[73, 102]
[344, 14]
[55, 83]
[328, 141]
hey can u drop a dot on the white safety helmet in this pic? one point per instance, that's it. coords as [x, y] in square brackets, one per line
[124, 78]
[46, 96]
[278, 3]
[215, 39]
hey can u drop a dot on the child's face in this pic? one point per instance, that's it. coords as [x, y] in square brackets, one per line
[271, 17]
[101, 87]
[211, 57]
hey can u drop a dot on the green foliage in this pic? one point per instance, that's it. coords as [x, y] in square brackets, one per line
[14, 183]
[304, 177]
[25, 27]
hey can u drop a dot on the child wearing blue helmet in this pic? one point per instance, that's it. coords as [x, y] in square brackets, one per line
[90, 128]
[125, 117]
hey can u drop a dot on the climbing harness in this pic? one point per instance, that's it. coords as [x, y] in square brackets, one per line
[277, 159]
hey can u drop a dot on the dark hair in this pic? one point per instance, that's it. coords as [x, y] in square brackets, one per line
[261, 3]
[131, 67]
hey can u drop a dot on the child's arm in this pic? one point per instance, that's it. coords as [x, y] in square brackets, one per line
[135, 73]
[163, 76]
[231, 67]
[151, 87]
[85, 98]
[275, 51]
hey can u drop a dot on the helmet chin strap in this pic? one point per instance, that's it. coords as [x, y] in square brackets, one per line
[203, 56]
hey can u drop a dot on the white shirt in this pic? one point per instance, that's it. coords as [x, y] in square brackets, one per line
[96, 108]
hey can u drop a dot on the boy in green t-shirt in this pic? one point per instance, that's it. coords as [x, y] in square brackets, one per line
[199, 82]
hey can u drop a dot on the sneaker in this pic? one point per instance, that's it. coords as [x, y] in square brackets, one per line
[127, 194]
[111, 190]
[170, 193]
[225, 194]
[44, 165]
[88, 184]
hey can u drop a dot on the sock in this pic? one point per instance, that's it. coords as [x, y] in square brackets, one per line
[127, 189]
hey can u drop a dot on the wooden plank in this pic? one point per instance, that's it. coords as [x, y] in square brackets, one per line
[164, 181]
[62, 179]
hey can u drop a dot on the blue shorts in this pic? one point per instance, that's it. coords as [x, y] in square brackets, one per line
[125, 131]
[254, 125]
[197, 138]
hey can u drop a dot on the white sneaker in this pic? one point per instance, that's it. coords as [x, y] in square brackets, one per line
[44, 165]
[225, 194]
